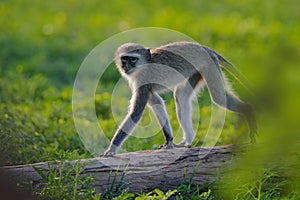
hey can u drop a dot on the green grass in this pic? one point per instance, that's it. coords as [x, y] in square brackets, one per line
[64, 182]
[42, 45]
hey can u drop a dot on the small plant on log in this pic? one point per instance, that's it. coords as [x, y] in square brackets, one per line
[65, 182]
[117, 187]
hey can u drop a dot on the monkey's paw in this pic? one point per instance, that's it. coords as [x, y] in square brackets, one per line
[108, 154]
[182, 145]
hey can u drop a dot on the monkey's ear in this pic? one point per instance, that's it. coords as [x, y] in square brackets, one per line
[148, 55]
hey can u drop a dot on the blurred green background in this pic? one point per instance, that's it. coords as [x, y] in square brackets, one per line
[43, 43]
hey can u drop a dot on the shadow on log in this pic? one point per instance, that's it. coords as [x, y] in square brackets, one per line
[144, 171]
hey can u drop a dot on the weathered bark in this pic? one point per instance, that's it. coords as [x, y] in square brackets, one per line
[145, 170]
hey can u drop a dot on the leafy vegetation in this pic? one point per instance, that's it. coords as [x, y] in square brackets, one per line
[44, 43]
[64, 182]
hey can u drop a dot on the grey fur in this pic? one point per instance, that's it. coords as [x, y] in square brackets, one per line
[182, 67]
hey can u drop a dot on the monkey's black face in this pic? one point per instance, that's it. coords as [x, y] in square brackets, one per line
[128, 63]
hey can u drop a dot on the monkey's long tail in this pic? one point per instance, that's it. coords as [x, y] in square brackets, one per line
[236, 73]
[230, 68]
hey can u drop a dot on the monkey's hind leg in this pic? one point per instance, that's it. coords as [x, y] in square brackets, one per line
[183, 99]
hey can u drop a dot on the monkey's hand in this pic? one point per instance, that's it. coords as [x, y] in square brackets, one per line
[110, 152]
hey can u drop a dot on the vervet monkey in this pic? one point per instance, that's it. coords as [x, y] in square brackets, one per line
[183, 67]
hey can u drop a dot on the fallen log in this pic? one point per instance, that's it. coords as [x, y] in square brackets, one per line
[142, 171]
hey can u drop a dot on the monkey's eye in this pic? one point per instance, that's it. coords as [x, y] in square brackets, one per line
[124, 59]
[133, 59]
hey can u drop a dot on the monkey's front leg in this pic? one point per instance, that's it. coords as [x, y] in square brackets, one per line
[119, 137]
[138, 104]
